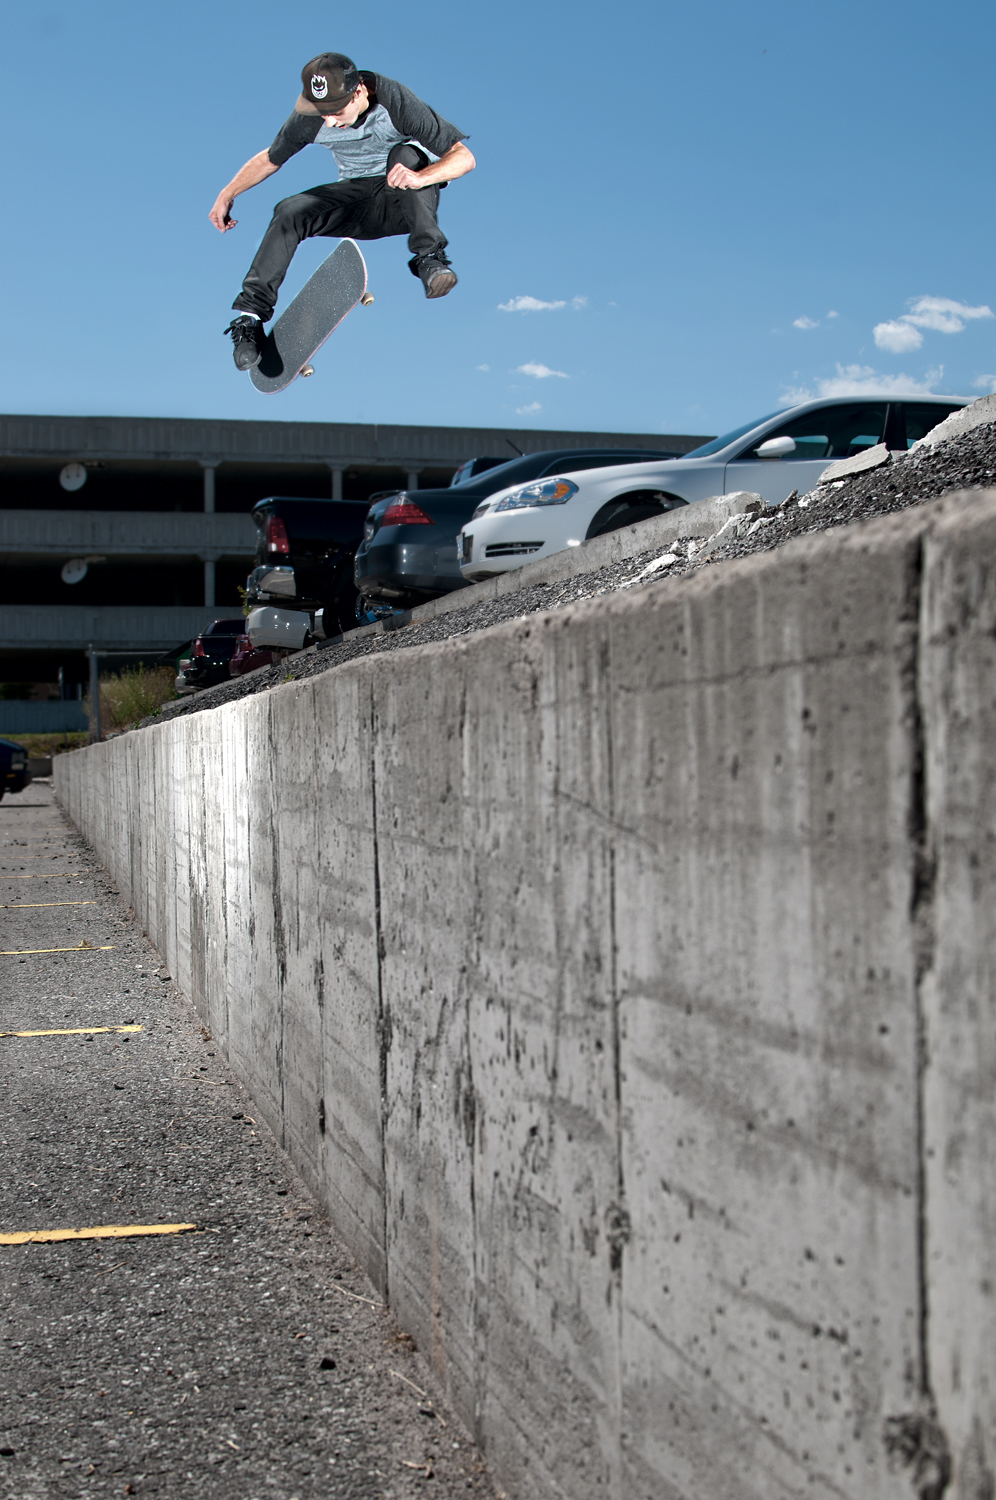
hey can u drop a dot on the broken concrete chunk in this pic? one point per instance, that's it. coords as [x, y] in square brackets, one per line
[978, 414]
[744, 500]
[872, 458]
[665, 561]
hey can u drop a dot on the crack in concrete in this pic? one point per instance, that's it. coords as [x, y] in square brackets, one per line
[617, 1219]
[383, 1012]
[915, 1441]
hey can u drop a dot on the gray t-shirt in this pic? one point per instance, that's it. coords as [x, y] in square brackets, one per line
[360, 150]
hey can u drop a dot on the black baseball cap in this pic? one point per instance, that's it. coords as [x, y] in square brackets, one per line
[330, 80]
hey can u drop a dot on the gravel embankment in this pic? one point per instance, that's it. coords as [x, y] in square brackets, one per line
[249, 1358]
[962, 462]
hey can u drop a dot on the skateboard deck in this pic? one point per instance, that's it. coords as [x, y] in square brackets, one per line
[319, 307]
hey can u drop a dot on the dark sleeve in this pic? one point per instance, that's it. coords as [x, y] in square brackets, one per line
[296, 131]
[415, 119]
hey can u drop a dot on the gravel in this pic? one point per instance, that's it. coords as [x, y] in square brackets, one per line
[249, 1360]
[961, 462]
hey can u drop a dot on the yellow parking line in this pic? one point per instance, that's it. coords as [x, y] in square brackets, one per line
[77, 948]
[98, 1232]
[73, 1031]
[19, 905]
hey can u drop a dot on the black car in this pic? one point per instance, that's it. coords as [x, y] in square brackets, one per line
[408, 552]
[209, 657]
[304, 555]
[14, 773]
[473, 467]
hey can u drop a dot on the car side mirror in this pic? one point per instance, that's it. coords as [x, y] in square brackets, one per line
[777, 447]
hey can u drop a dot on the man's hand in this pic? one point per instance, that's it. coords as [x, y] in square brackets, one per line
[256, 169]
[220, 215]
[403, 177]
[456, 162]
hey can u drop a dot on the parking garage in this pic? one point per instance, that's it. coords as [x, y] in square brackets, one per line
[131, 532]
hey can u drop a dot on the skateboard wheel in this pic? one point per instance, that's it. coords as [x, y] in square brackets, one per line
[307, 370]
[366, 299]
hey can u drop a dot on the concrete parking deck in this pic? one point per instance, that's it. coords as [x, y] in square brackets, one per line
[244, 1358]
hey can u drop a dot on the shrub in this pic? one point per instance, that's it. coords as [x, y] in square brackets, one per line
[132, 694]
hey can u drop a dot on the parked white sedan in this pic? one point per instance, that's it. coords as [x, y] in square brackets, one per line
[785, 451]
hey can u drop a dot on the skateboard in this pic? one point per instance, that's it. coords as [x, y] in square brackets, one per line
[319, 307]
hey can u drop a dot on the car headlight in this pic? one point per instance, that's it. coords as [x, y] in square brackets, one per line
[543, 492]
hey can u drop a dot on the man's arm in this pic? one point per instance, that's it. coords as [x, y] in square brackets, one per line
[256, 169]
[454, 163]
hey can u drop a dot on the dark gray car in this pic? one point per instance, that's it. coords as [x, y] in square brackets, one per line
[408, 553]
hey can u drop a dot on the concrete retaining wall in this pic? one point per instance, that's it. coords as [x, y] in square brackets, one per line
[622, 980]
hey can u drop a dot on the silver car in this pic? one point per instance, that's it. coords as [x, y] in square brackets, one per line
[791, 449]
[786, 451]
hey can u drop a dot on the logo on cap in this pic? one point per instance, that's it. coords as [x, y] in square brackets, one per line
[319, 85]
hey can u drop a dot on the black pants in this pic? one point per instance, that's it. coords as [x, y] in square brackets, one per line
[359, 208]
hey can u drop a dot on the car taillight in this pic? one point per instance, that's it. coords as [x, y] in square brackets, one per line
[276, 535]
[406, 513]
[199, 648]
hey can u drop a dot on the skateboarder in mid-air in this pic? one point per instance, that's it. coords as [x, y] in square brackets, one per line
[394, 154]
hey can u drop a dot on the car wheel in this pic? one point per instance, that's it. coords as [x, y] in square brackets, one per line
[628, 509]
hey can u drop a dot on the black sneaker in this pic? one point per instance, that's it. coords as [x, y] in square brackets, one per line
[248, 338]
[436, 274]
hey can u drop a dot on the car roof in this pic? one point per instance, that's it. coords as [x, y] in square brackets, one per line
[821, 401]
[225, 627]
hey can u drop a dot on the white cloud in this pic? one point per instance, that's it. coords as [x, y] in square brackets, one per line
[534, 304]
[540, 372]
[898, 338]
[940, 314]
[485, 368]
[806, 323]
[862, 380]
[986, 383]
[529, 304]
[527, 411]
[832, 314]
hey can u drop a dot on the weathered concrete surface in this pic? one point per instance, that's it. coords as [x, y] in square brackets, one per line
[622, 983]
[964, 420]
[957, 957]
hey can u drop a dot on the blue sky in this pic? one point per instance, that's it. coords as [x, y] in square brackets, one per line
[681, 215]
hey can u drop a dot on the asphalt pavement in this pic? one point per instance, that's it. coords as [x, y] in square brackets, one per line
[243, 1358]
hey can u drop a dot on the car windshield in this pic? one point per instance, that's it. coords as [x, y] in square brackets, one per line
[494, 474]
[729, 437]
[475, 467]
